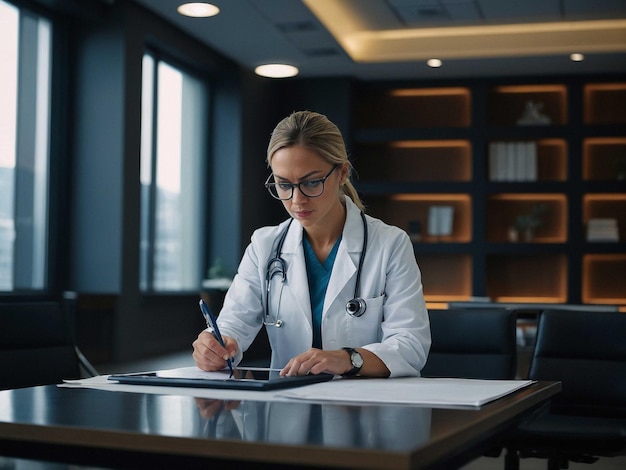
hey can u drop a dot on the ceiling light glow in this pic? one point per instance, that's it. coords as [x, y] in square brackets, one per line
[276, 70]
[434, 63]
[577, 57]
[198, 9]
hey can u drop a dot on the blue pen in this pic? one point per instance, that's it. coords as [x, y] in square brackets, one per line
[211, 322]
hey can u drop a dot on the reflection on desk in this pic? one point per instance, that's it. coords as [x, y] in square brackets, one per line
[149, 430]
[313, 424]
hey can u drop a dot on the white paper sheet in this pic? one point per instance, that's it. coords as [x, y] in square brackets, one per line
[435, 393]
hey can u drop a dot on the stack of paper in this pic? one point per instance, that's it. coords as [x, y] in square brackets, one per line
[431, 392]
[602, 230]
[436, 393]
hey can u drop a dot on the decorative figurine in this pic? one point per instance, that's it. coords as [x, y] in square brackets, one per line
[532, 115]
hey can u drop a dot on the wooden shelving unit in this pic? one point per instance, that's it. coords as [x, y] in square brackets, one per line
[419, 147]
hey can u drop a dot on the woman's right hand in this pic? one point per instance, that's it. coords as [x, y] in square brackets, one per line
[209, 354]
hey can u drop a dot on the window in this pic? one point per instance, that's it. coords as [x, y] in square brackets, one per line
[25, 62]
[173, 155]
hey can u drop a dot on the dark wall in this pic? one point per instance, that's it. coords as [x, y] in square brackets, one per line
[264, 103]
[100, 165]
[116, 321]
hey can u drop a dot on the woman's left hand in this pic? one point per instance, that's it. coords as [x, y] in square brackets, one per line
[337, 362]
[316, 361]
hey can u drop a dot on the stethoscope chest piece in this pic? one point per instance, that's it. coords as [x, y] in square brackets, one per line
[356, 307]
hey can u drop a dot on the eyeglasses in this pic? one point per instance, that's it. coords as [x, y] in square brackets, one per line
[309, 188]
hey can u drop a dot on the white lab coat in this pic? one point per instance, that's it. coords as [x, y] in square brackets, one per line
[395, 325]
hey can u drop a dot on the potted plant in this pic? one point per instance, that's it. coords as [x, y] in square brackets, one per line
[527, 224]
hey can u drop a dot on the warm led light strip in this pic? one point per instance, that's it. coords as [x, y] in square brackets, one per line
[402, 92]
[531, 89]
[364, 44]
[435, 197]
[430, 144]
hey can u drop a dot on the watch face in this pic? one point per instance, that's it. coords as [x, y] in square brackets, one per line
[357, 359]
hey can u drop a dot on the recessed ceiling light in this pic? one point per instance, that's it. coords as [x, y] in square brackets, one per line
[434, 63]
[276, 70]
[577, 57]
[198, 9]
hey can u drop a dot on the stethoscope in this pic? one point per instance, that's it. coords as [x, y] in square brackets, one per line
[276, 266]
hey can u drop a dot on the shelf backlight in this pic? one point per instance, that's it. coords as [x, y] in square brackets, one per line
[531, 89]
[605, 141]
[429, 92]
[531, 300]
[430, 144]
[605, 87]
[605, 197]
[432, 198]
[445, 298]
[528, 197]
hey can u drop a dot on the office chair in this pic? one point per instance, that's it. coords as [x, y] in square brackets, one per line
[37, 344]
[472, 343]
[586, 351]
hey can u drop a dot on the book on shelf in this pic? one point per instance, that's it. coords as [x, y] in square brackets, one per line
[440, 219]
[602, 230]
[512, 161]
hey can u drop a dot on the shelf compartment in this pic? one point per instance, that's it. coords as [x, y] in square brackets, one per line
[503, 211]
[414, 107]
[606, 206]
[416, 160]
[536, 160]
[538, 278]
[604, 159]
[410, 210]
[552, 160]
[506, 104]
[603, 279]
[605, 103]
[446, 277]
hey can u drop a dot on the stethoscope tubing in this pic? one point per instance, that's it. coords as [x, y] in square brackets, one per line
[276, 266]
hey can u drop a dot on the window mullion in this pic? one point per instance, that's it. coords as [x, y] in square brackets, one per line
[152, 197]
[25, 153]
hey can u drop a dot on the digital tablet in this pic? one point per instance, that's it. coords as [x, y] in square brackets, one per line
[242, 379]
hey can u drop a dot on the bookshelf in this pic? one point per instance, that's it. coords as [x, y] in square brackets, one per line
[518, 236]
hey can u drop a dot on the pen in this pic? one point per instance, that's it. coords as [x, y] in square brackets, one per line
[211, 322]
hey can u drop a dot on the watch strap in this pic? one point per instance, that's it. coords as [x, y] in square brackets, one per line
[355, 368]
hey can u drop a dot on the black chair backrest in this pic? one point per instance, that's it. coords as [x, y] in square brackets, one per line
[586, 351]
[36, 345]
[472, 343]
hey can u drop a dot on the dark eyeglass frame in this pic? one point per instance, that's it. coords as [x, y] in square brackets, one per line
[293, 186]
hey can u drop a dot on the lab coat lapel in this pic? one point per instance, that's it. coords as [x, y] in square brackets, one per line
[346, 262]
[297, 281]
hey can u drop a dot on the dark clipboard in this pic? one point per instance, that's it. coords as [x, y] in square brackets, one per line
[244, 379]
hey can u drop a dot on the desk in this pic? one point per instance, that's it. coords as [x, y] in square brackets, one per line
[136, 430]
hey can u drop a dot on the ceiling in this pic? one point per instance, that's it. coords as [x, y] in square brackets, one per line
[392, 39]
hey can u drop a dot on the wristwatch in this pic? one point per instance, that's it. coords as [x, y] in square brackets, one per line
[357, 362]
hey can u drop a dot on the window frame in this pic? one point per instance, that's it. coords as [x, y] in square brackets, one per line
[55, 271]
[147, 266]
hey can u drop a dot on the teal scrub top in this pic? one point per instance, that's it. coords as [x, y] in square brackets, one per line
[318, 275]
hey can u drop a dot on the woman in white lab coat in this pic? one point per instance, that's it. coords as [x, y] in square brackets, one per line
[300, 278]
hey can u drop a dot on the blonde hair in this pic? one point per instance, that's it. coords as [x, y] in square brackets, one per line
[316, 132]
